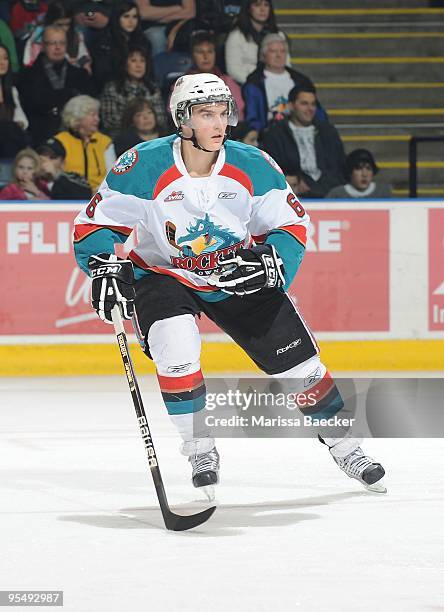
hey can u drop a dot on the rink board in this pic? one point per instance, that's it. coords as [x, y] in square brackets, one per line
[371, 287]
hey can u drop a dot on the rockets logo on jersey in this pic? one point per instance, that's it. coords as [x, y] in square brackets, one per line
[202, 245]
[125, 162]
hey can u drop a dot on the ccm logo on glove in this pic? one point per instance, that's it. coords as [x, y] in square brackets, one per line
[112, 283]
[105, 270]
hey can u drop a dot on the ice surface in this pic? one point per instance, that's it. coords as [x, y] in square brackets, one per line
[79, 514]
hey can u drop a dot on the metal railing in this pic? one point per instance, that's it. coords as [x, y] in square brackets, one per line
[413, 161]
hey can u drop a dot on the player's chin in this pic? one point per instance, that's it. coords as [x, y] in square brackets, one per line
[215, 143]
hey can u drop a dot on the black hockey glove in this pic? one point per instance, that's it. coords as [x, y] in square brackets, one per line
[249, 270]
[112, 283]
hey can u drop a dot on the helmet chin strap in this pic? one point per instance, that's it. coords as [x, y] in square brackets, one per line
[194, 141]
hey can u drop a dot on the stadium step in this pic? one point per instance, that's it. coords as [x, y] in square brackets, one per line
[380, 95]
[391, 148]
[359, 15]
[385, 68]
[379, 69]
[367, 44]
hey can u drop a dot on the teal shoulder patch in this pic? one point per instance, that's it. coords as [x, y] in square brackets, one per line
[137, 171]
[263, 171]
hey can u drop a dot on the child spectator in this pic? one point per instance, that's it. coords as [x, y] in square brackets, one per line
[60, 185]
[360, 170]
[256, 19]
[25, 184]
[139, 124]
[59, 15]
[13, 121]
[88, 152]
[133, 82]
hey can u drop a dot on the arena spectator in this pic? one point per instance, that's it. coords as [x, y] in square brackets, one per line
[46, 86]
[133, 82]
[25, 184]
[88, 152]
[203, 56]
[60, 185]
[360, 170]
[159, 16]
[7, 39]
[256, 20]
[59, 15]
[139, 124]
[13, 121]
[112, 44]
[92, 16]
[245, 134]
[267, 88]
[310, 152]
[25, 14]
[218, 15]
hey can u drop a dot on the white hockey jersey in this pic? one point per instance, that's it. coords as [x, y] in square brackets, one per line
[184, 224]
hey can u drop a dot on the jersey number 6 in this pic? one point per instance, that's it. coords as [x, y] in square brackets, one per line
[90, 209]
[296, 205]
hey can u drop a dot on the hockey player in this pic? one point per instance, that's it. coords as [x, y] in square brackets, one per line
[220, 232]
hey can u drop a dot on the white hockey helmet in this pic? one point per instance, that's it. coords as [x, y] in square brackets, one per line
[203, 88]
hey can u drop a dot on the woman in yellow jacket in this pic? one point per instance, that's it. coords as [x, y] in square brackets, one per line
[88, 152]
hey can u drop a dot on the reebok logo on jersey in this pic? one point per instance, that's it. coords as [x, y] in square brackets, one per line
[177, 369]
[227, 195]
[174, 196]
[292, 345]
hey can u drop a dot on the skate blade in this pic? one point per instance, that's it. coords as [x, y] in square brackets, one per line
[209, 492]
[376, 487]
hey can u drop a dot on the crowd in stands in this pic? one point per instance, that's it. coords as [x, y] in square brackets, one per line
[81, 81]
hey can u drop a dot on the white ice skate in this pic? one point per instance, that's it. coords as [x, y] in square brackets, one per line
[359, 466]
[205, 463]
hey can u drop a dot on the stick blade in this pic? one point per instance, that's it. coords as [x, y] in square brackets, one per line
[177, 522]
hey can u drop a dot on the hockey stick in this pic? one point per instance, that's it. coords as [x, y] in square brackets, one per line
[174, 522]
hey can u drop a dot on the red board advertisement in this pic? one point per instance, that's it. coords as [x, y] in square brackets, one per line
[436, 269]
[343, 284]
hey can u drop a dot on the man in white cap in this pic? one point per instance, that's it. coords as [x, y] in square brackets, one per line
[219, 232]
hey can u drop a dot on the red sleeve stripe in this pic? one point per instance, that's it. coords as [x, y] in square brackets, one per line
[237, 175]
[83, 230]
[165, 179]
[179, 384]
[138, 260]
[260, 238]
[297, 231]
